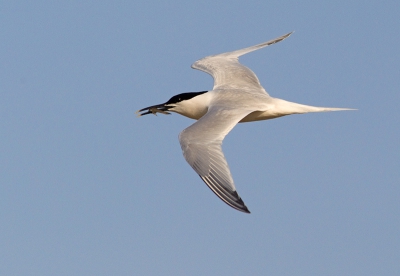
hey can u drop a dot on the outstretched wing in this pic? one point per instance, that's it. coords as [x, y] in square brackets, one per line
[228, 72]
[201, 146]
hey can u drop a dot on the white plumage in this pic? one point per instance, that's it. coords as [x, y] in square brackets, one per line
[237, 96]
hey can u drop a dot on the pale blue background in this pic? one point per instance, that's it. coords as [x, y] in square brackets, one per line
[86, 188]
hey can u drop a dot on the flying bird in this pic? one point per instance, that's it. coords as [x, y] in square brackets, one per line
[237, 96]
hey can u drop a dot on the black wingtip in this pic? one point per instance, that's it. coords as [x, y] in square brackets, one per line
[231, 198]
[243, 208]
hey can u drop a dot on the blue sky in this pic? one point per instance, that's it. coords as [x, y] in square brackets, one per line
[86, 188]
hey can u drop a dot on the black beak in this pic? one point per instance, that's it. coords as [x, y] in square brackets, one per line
[154, 109]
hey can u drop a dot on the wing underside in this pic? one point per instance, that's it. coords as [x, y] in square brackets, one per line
[201, 146]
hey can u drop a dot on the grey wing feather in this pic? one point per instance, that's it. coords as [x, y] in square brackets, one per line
[201, 147]
[228, 72]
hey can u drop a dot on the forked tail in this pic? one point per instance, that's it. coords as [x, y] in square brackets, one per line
[287, 108]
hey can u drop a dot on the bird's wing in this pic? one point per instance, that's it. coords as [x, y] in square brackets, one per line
[201, 146]
[228, 72]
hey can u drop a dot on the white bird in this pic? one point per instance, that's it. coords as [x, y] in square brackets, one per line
[237, 96]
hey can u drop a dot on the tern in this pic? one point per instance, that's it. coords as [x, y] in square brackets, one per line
[237, 96]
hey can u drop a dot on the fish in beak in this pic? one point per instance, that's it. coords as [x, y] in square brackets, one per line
[154, 109]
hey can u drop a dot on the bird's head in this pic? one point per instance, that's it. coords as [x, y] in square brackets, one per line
[174, 104]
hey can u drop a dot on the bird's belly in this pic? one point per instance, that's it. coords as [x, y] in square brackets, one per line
[260, 115]
[194, 114]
